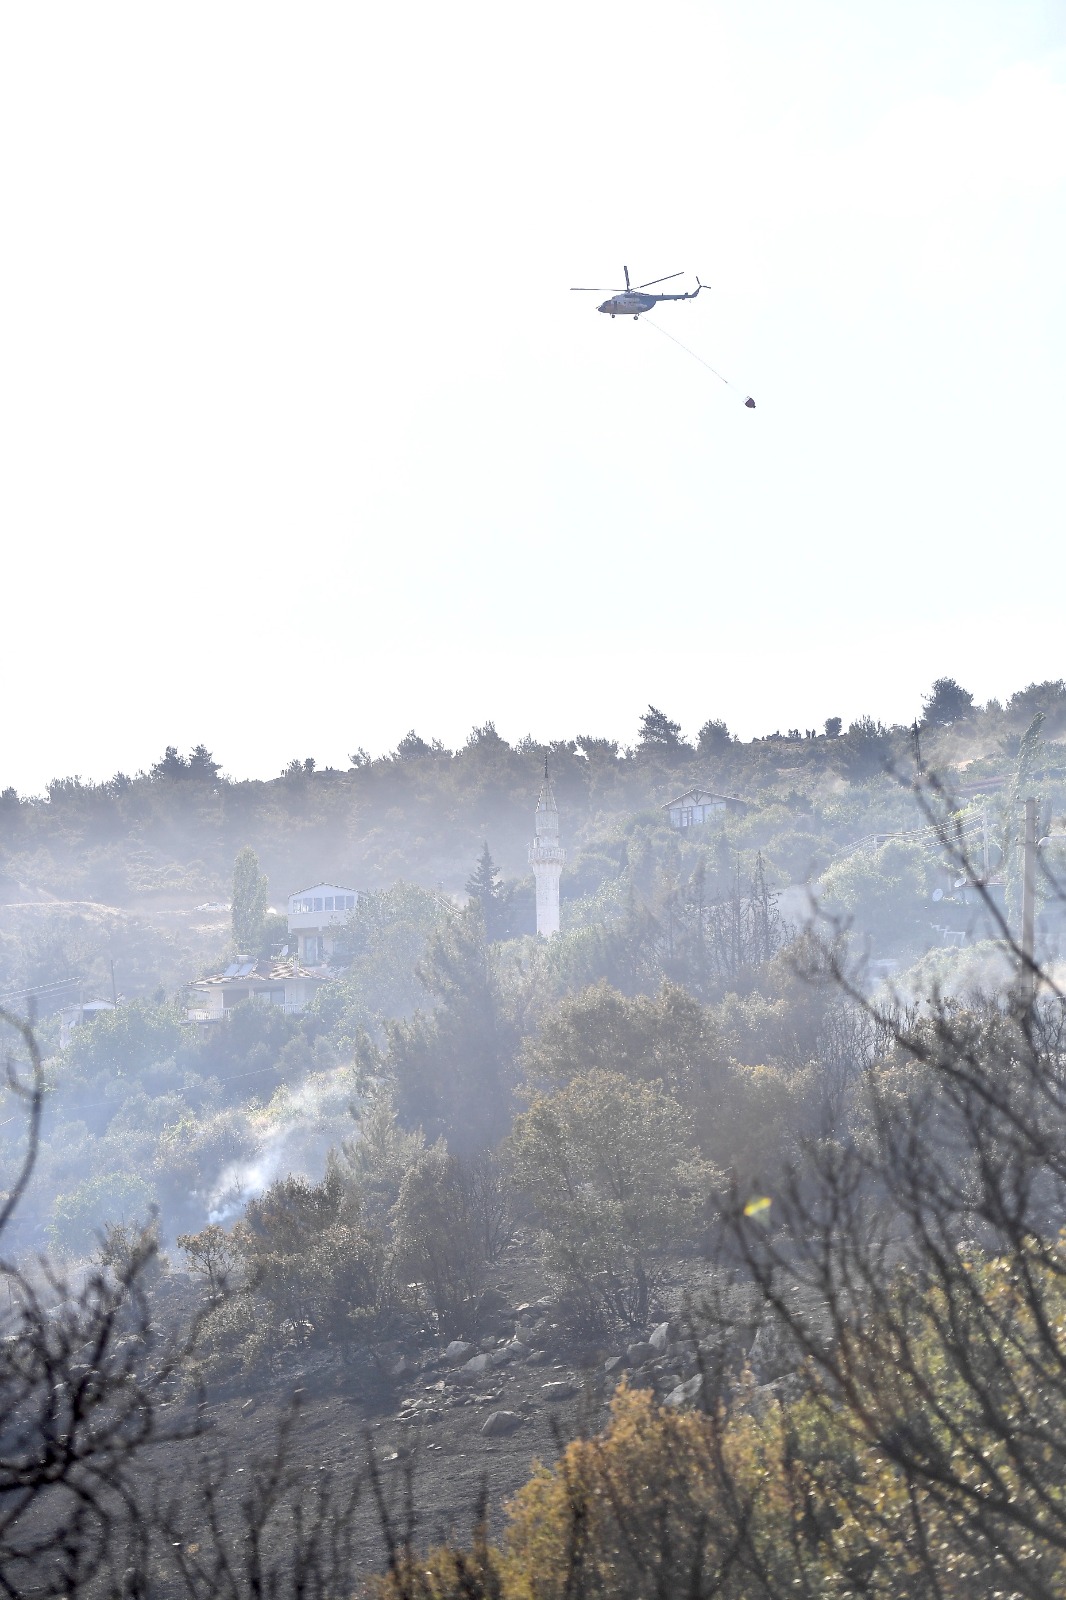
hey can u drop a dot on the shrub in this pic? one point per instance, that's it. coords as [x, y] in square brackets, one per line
[611, 1168]
[80, 1217]
[438, 1237]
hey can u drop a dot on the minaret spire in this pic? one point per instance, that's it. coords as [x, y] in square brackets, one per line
[546, 857]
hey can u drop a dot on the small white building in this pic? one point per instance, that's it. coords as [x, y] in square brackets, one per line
[272, 983]
[697, 806]
[72, 1017]
[315, 915]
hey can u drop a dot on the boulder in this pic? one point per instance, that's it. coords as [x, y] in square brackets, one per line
[780, 1392]
[659, 1338]
[458, 1351]
[402, 1368]
[685, 1393]
[499, 1423]
[477, 1367]
[637, 1354]
[537, 1358]
[614, 1364]
[774, 1353]
[562, 1390]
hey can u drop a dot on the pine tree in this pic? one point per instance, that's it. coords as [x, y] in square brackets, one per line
[203, 765]
[451, 1067]
[658, 731]
[947, 702]
[714, 738]
[485, 885]
[171, 766]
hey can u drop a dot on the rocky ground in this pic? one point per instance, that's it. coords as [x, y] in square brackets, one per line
[451, 1419]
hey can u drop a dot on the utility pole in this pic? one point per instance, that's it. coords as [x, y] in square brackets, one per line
[916, 734]
[1029, 895]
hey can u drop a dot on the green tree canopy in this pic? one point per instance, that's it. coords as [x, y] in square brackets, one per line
[946, 702]
[200, 764]
[81, 1215]
[485, 885]
[437, 1238]
[411, 746]
[612, 1170]
[171, 766]
[658, 732]
[667, 1037]
[249, 901]
[713, 739]
[867, 749]
[126, 1041]
[451, 1067]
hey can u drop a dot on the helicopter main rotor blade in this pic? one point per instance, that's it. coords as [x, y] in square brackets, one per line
[654, 281]
[584, 288]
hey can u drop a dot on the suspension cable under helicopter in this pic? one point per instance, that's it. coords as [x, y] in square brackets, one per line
[748, 401]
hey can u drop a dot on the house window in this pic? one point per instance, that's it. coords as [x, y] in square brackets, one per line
[687, 816]
[317, 905]
[311, 950]
[329, 902]
[349, 902]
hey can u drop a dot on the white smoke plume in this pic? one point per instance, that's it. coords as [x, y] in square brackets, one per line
[292, 1135]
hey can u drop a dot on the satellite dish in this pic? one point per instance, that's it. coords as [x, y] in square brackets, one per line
[938, 895]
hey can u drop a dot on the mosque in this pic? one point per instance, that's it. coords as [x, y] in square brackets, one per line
[546, 857]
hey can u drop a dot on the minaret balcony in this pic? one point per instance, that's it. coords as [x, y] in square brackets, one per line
[546, 853]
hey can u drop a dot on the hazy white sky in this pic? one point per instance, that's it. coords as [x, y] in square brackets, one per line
[305, 440]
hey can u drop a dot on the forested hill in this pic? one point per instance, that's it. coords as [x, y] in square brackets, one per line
[159, 845]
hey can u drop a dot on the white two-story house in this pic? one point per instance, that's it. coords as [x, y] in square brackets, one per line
[315, 915]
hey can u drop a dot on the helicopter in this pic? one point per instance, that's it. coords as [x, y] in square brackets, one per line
[632, 301]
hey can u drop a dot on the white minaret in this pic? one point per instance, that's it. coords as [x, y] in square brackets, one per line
[546, 858]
